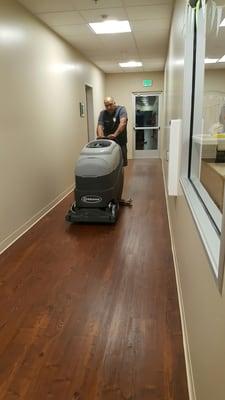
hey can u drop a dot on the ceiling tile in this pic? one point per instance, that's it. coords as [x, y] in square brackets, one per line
[44, 6]
[117, 42]
[91, 4]
[74, 30]
[161, 39]
[61, 18]
[146, 2]
[96, 15]
[154, 62]
[149, 12]
[156, 67]
[85, 45]
[136, 69]
[158, 52]
[150, 26]
[119, 57]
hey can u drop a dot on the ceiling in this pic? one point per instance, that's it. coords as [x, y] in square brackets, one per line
[148, 42]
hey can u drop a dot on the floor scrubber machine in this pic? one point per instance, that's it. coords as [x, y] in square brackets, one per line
[99, 183]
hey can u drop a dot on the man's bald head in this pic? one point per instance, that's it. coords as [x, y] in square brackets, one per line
[110, 104]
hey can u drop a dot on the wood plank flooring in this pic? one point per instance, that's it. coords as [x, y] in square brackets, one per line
[90, 312]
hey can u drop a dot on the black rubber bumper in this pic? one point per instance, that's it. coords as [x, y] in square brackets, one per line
[92, 215]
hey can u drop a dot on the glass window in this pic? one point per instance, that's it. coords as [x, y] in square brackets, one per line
[207, 149]
[203, 133]
[146, 124]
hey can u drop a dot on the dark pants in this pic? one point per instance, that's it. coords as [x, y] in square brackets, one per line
[124, 153]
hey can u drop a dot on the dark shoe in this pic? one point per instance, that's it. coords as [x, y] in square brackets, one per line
[128, 202]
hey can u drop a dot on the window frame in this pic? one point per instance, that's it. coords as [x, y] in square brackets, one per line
[194, 67]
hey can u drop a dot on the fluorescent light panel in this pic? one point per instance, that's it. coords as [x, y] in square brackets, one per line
[130, 64]
[110, 26]
[211, 60]
[222, 59]
[215, 60]
[223, 22]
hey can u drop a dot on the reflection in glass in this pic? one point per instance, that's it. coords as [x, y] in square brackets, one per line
[207, 170]
[146, 139]
[146, 110]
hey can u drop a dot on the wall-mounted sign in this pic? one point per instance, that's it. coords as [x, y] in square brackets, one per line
[147, 82]
[82, 114]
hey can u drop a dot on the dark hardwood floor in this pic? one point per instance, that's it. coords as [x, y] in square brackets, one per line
[91, 312]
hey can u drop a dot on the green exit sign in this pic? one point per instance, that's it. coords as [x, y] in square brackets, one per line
[147, 82]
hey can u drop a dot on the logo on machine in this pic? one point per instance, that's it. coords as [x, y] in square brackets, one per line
[91, 199]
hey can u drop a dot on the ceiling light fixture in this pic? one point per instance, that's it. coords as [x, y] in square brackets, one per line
[110, 26]
[130, 64]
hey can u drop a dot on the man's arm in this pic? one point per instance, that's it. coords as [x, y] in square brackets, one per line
[120, 128]
[99, 131]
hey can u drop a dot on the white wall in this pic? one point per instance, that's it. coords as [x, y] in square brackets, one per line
[121, 86]
[203, 305]
[215, 80]
[42, 81]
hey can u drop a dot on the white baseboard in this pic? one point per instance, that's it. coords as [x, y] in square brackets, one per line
[9, 240]
[189, 371]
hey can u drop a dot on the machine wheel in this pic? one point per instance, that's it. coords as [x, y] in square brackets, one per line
[114, 209]
[73, 207]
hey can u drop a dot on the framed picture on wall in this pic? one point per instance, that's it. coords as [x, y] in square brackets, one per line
[82, 114]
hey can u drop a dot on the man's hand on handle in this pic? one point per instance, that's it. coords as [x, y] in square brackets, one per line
[112, 136]
[101, 137]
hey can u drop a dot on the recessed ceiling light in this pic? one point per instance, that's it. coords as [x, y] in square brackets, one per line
[223, 22]
[110, 26]
[222, 59]
[211, 60]
[130, 64]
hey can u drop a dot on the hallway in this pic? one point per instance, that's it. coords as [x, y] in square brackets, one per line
[91, 312]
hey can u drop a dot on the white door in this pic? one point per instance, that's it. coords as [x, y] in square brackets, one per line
[146, 125]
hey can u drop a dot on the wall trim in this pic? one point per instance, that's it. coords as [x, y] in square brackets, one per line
[9, 240]
[187, 355]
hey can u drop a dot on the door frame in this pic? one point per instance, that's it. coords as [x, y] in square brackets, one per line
[89, 112]
[147, 153]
